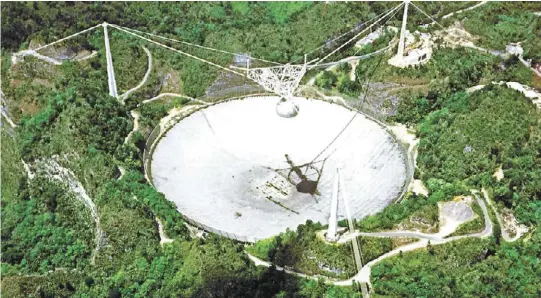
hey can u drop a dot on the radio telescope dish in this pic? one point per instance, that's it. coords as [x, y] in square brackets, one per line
[231, 167]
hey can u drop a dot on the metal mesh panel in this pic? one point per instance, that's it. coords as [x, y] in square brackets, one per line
[384, 151]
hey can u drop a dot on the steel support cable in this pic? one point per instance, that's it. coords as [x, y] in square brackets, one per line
[433, 20]
[357, 112]
[365, 87]
[343, 34]
[306, 164]
[220, 147]
[357, 252]
[351, 225]
[357, 35]
[67, 37]
[202, 60]
[196, 45]
[387, 46]
[353, 58]
[219, 144]
[178, 51]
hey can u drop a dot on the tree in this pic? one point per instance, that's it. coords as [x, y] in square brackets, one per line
[326, 80]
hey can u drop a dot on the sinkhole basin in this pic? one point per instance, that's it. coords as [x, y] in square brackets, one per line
[225, 166]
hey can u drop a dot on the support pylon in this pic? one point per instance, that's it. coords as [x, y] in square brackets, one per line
[110, 70]
[357, 254]
[401, 43]
[333, 221]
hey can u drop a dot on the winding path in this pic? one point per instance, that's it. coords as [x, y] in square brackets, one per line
[465, 9]
[89, 56]
[15, 58]
[528, 91]
[434, 239]
[163, 238]
[525, 63]
[503, 226]
[145, 77]
[356, 58]
[497, 53]
[136, 115]
[363, 276]
[258, 262]
[330, 65]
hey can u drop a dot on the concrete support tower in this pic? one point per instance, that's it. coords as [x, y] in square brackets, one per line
[401, 43]
[357, 253]
[333, 221]
[110, 70]
[398, 59]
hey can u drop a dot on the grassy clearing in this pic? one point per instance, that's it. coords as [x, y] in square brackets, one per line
[29, 82]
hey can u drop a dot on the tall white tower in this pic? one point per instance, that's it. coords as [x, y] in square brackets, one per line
[333, 222]
[398, 59]
[109, 58]
[401, 43]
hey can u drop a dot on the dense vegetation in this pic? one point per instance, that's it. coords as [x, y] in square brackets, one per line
[465, 268]
[464, 138]
[339, 80]
[303, 251]
[500, 23]
[306, 251]
[48, 235]
[471, 135]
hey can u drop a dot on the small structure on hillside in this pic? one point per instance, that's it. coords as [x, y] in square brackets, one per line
[420, 51]
[241, 59]
[370, 38]
[514, 49]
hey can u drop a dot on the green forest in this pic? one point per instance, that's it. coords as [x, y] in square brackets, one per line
[65, 114]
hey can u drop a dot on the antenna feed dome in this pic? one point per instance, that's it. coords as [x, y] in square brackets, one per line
[286, 108]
